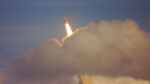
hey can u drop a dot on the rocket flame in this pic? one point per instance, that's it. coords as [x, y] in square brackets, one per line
[68, 29]
[85, 79]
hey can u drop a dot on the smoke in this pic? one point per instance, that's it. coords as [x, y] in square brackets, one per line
[115, 48]
[117, 80]
[99, 79]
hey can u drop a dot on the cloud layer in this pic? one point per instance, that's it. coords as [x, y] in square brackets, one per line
[117, 80]
[116, 48]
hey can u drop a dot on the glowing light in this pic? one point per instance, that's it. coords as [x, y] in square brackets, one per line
[85, 79]
[68, 30]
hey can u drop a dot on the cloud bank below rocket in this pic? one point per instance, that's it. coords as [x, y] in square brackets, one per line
[115, 48]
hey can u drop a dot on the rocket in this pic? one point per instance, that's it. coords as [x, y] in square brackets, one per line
[67, 26]
[65, 20]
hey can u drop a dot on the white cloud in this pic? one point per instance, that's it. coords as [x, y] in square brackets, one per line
[118, 80]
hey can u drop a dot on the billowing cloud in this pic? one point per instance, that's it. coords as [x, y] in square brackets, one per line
[116, 48]
[117, 80]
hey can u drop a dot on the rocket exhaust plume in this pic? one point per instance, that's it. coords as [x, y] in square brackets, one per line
[85, 79]
[67, 26]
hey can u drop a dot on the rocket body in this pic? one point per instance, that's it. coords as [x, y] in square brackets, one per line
[65, 20]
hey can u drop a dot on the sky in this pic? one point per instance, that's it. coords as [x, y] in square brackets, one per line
[27, 24]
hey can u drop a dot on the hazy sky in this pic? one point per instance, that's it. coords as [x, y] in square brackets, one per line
[25, 24]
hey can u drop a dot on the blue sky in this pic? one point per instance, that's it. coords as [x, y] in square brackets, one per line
[25, 24]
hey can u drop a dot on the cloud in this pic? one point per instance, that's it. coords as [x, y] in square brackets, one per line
[55, 80]
[99, 79]
[116, 48]
[117, 80]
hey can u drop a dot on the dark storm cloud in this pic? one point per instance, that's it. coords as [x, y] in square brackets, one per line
[116, 48]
